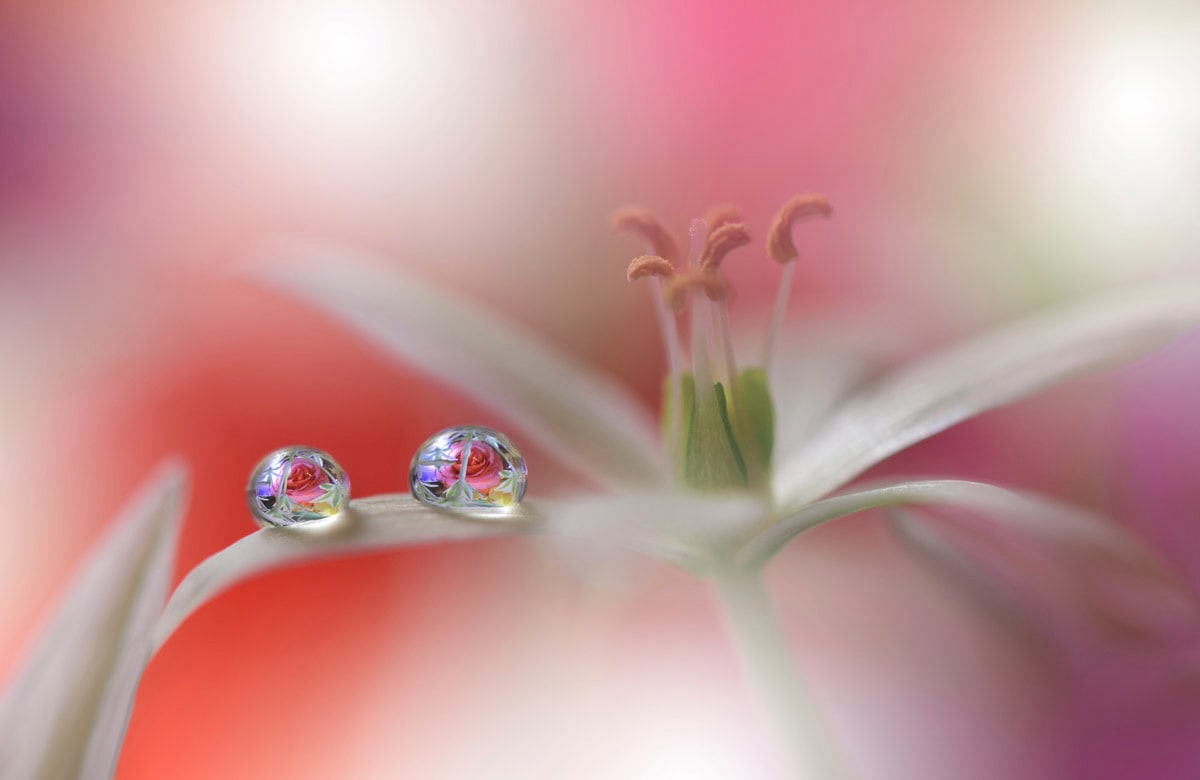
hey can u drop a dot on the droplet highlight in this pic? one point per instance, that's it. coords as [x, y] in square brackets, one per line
[296, 485]
[468, 466]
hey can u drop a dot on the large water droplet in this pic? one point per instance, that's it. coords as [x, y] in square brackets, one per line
[296, 485]
[468, 466]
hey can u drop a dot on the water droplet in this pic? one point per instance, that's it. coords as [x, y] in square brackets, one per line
[493, 476]
[296, 485]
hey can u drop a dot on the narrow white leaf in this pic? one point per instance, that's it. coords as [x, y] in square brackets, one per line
[66, 713]
[1003, 366]
[1019, 510]
[372, 524]
[586, 419]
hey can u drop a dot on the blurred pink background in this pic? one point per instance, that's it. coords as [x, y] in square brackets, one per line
[981, 158]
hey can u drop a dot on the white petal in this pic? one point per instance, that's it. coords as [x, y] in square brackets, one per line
[370, 524]
[1020, 510]
[67, 711]
[1005, 365]
[1061, 585]
[583, 417]
[690, 529]
[673, 526]
[812, 373]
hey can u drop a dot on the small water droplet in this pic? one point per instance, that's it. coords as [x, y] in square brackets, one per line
[295, 485]
[468, 466]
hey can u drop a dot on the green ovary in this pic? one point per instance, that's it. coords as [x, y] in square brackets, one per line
[722, 444]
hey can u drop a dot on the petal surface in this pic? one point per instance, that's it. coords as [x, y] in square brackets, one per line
[1018, 510]
[1119, 636]
[1073, 590]
[372, 524]
[66, 712]
[693, 530]
[681, 528]
[585, 418]
[809, 379]
[1005, 365]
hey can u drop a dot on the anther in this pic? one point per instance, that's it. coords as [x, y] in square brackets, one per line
[660, 267]
[649, 265]
[720, 243]
[780, 245]
[782, 249]
[676, 291]
[715, 287]
[722, 215]
[639, 221]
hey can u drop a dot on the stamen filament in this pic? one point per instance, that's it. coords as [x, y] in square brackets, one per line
[782, 248]
[781, 304]
[726, 339]
[661, 268]
[698, 232]
[670, 334]
[669, 330]
[717, 349]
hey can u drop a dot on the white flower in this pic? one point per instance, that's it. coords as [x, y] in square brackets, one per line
[65, 715]
[717, 498]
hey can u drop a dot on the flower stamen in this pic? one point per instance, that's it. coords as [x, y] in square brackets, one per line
[649, 265]
[680, 286]
[722, 215]
[660, 267]
[719, 422]
[780, 245]
[782, 249]
[634, 219]
[698, 232]
[719, 243]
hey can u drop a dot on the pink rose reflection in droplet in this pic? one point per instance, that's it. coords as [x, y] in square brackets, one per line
[305, 480]
[483, 466]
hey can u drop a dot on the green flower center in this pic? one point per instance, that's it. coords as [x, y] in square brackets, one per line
[725, 442]
[718, 422]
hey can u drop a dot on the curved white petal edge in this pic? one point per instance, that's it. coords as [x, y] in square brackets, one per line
[395, 521]
[370, 524]
[1059, 584]
[585, 418]
[66, 712]
[999, 367]
[1021, 511]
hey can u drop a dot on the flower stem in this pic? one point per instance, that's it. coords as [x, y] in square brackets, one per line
[754, 625]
